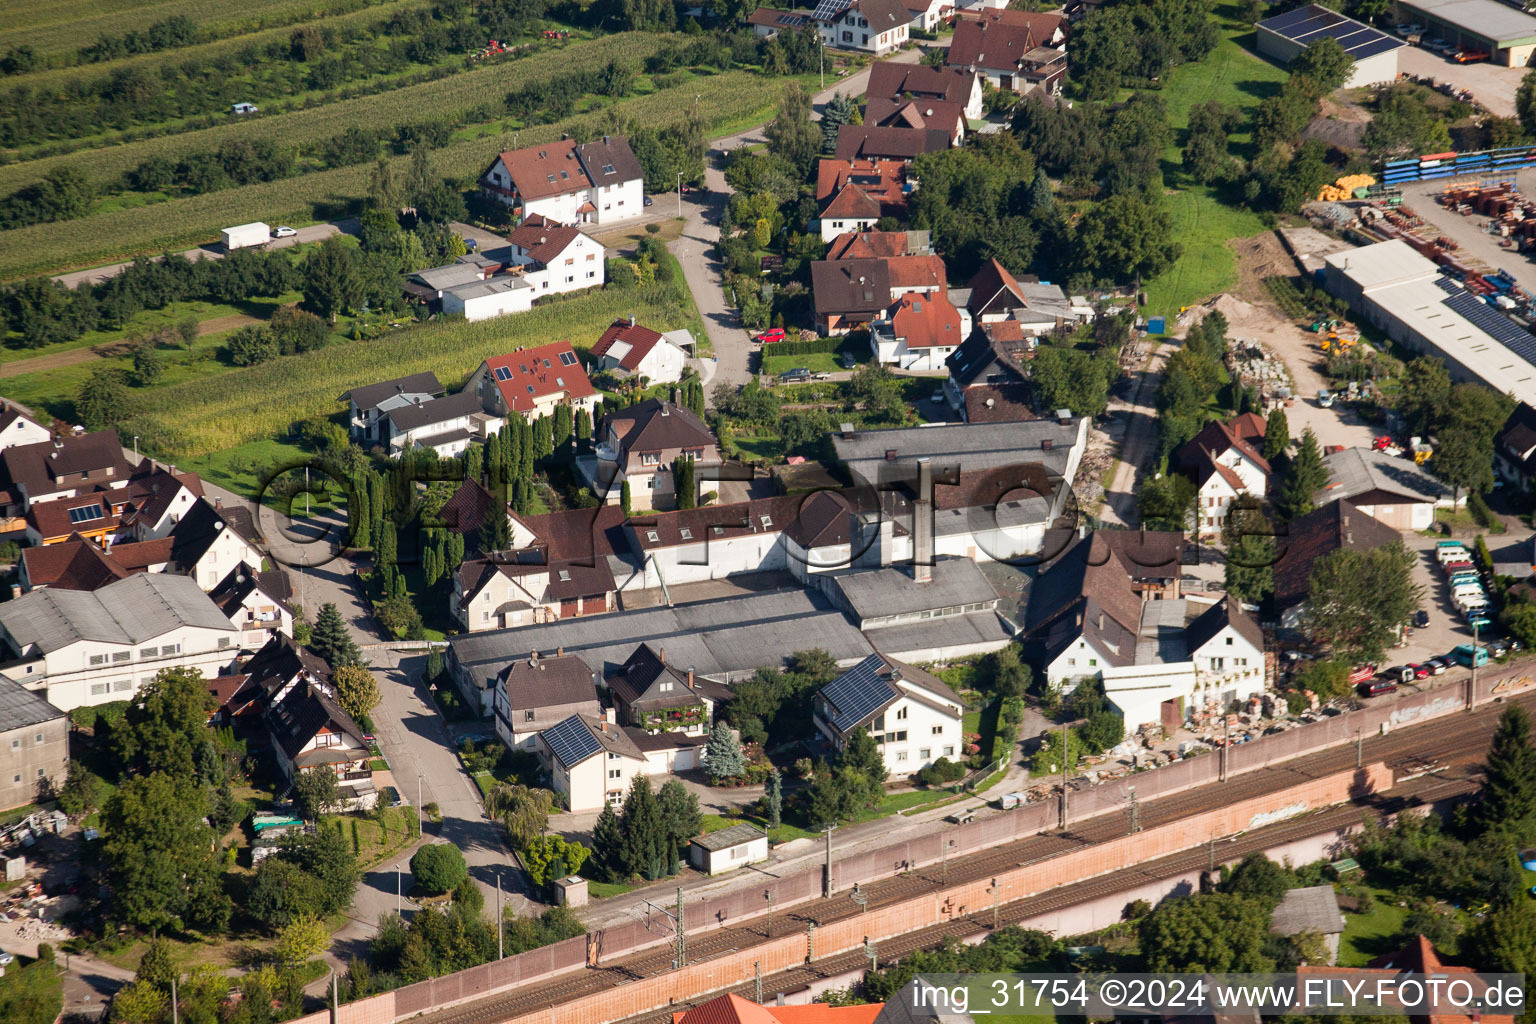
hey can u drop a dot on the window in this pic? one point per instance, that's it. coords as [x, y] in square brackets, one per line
[612, 756]
[924, 753]
[938, 730]
[1229, 641]
[765, 520]
[40, 773]
[503, 373]
[485, 616]
[948, 751]
[901, 737]
[530, 389]
[123, 684]
[615, 773]
[171, 649]
[686, 533]
[528, 715]
[565, 576]
[652, 536]
[1071, 663]
[98, 659]
[223, 642]
[608, 169]
[148, 652]
[737, 853]
[901, 714]
[1217, 664]
[1093, 662]
[98, 689]
[901, 755]
[85, 513]
[649, 458]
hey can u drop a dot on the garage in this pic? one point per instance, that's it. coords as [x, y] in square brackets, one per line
[1284, 36]
[1506, 33]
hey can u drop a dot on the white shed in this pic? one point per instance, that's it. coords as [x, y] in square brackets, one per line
[728, 849]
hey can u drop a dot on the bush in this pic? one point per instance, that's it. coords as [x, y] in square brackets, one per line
[439, 868]
[940, 772]
[1483, 514]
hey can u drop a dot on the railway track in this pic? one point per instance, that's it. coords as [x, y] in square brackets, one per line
[1451, 745]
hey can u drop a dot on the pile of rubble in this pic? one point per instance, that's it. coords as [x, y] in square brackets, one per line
[1255, 365]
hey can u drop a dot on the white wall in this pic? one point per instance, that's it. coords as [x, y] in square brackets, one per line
[832, 227]
[718, 862]
[591, 783]
[22, 431]
[1082, 660]
[619, 202]
[228, 550]
[580, 265]
[483, 307]
[1229, 662]
[1140, 690]
[664, 363]
[716, 558]
[68, 679]
[911, 735]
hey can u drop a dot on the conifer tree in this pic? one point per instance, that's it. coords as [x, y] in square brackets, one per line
[608, 848]
[723, 756]
[682, 478]
[331, 640]
[583, 424]
[1305, 475]
[474, 462]
[494, 459]
[647, 847]
[773, 799]
[625, 502]
[525, 451]
[543, 438]
[679, 813]
[1509, 792]
[1277, 433]
[564, 425]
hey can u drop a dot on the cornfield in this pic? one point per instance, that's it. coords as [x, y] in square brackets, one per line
[439, 100]
[261, 401]
[733, 99]
[57, 26]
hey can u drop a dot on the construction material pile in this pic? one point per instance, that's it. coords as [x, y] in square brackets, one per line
[1344, 188]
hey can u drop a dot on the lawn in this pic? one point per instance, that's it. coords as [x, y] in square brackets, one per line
[33, 994]
[239, 469]
[603, 890]
[766, 447]
[816, 362]
[1367, 936]
[1232, 76]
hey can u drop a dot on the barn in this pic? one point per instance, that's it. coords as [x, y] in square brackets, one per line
[1284, 36]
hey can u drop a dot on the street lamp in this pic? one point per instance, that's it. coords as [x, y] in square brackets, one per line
[135, 449]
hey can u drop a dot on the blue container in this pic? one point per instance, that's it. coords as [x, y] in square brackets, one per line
[1156, 325]
[1528, 859]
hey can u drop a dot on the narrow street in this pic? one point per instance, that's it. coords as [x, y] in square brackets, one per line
[1133, 426]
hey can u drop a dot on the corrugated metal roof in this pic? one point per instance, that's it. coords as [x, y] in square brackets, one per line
[20, 707]
[126, 612]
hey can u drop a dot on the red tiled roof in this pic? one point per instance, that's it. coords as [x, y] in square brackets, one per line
[641, 340]
[532, 168]
[733, 1009]
[537, 372]
[852, 203]
[867, 245]
[542, 239]
[882, 179]
[926, 321]
[917, 272]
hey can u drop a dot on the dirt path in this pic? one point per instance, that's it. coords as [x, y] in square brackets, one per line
[76, 356]
[226, 323]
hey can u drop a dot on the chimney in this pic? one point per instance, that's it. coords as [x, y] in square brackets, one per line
[677, 396]
[662, 654]
[560, 651]
[690, 677]
[922, 524]
[1063, 416]
[218, 502]
[847, 429]
[1045, 444]
[631, 319]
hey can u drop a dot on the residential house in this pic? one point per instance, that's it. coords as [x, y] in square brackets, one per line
[1225, 461]
[445, 425]
[79, 564]
[256, 602]
[147, 507]
[1514, 449]
[627, 349]
[656, 697]
[1333, 527]
[994, 296]
[430, 285]
[1419, 958]
[34, 746]
[62, 467]
[209, 542]
[538, 693]
[532, 382]
[78, 647]
[893, 142]
[1310, 910]
[894, 82]
[18, 428]
[493, 297]
[928, 18]
[591, 762]
[874, 245]
[849, 293]
[1017, 51]
[990, 366]
[914, 717]
[595, 182]
[871, 26]
[281, 664]
[638, 446]
[852, 195]
[507, 589]
[919, 115]
[919, 332]
[311, 733]
[554, 258]
[370, 402]
[715, 853]
[768, 22]
[1227, 647]
[1397, 492]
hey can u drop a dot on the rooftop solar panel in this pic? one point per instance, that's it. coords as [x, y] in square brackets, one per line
[1379, 45]
[858, 693]
[571, 741]
[826, 10]
[1495, 324]
[1306, 24]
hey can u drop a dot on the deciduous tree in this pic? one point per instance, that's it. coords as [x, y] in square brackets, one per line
[1219, 932]
[439, 867]
[1358, 600]
[315, 792]
[161, 858]
[356, 690]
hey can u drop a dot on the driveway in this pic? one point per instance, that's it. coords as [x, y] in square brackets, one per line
[695, 247]
[214, 251]
[1494, 86]
[1133, 424]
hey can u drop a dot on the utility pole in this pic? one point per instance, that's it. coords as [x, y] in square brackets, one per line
[679, 193]
[1134, 810]
[1064, 814]
[869, 951]
[680, 946]
[823, 53]
[1359, 748]
[827, 882]
[1226, 744]
[757, 971]
[335, 997]
[996, 893]
[175, 1013]
[1472, 689]
[1213, 852]
[768, 898]
[810, 942]
[501, 949]
[944, 845]
[399, 903]
[859, 898]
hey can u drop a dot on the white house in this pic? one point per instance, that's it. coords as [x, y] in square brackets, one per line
[311, 733]
[1225, 462]
[554, 258]
[1227, 647]
[928, 15]
[715, 853]
[532, 382]
[538, 693]
[639, 445]
[496, 296]
[256, 603]
[872, 26]
[587, 183]
[919, 332]
[914, 717]
[1393, 491]
[591, 762]
[79, 647]
[445, 425]
[628, 349]
[17, 428]
[208, 542]
[369, 403]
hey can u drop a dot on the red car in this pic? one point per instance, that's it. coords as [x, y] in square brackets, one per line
[770, 336]
[1420, 671]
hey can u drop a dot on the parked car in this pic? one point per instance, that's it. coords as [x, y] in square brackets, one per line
[1437, 666]
[798, 374]
[1325, 398]
[1377, 687]
[1420, 619]
[1498, 648]
[937, 396]
[1420, 671]
[6, 959]
[471, 244]
[649, 201]
[283, 231]
[848, 361]
[770, 336]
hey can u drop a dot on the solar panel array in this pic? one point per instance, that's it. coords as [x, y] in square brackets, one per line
[1307, 24]
[827, 10]
[858, 693]
[571, 741]
[1495, 324]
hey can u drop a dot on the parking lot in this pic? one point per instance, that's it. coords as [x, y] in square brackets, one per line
[1494, 86]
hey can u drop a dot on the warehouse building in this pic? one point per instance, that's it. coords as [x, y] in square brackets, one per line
[1406, 295]
[1507, 33]
[1284, 36]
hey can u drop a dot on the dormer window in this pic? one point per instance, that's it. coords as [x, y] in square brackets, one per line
[766, 521]
[565, 576]
[652, 536]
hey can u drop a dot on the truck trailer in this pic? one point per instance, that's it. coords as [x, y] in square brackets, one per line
[242, 235]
